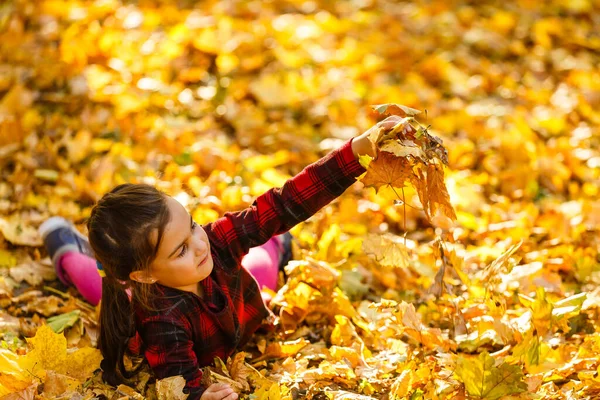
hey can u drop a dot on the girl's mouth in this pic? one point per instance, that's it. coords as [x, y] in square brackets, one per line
[203, 260]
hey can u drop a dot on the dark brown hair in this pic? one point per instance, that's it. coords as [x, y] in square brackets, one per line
[120, 228]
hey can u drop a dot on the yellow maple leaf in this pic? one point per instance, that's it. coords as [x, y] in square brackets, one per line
[50, 353]
[83, 362]
[270, 390]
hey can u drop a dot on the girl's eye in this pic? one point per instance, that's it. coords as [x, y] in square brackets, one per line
[183, 250]
[194, 225]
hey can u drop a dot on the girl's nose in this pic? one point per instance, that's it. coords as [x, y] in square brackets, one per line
[200, 245]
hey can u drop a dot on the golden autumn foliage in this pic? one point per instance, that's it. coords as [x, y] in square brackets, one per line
[470, 271]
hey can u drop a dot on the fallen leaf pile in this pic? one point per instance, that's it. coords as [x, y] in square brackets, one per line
[470, 271]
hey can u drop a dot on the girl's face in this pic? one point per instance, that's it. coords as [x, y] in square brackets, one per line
[183, 257]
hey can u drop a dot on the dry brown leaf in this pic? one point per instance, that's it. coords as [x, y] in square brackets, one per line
[18, 232]
[58, 384]
[403, 150]
[33, 272]
[128, 392]
[211, 377]
[28, 393]
[239, 370]
[171, 388]
[432, 191]
[438, 194]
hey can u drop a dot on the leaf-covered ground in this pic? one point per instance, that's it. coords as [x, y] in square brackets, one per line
[217, 101]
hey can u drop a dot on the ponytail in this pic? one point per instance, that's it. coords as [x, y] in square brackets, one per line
[119, 229]
[117, 326]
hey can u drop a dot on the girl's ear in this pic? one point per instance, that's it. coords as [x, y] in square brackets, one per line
[142, 277]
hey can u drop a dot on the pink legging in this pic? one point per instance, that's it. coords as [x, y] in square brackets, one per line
[80, 270]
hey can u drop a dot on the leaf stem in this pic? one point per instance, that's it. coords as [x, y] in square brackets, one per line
[404, 208]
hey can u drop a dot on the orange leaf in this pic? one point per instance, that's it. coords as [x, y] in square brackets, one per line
[432, 191]
[387, 169]
[438, 194]
[419, 182]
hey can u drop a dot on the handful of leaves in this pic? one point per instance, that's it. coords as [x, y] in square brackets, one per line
[408, 154]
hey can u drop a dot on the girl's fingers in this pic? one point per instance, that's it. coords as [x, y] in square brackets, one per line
[232, 396]
[225, 393]
[217, 391]
[215, 387]
[390, 122]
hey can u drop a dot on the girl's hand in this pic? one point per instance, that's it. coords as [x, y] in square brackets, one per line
[219, 391]
[361, 145]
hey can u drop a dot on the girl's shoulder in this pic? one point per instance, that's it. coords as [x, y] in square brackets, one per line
[165, 303]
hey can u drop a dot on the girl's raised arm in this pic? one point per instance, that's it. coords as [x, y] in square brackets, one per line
[279, 209]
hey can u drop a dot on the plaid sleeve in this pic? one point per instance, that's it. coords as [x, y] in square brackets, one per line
[169, 351]
[279, 209]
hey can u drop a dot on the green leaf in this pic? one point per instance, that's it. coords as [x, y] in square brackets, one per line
[484, 380]
[185, 158]
[61, 322]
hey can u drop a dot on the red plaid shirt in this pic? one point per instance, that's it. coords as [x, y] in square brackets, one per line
[189, 331]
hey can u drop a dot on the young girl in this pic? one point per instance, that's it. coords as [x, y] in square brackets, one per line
[178, 287]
